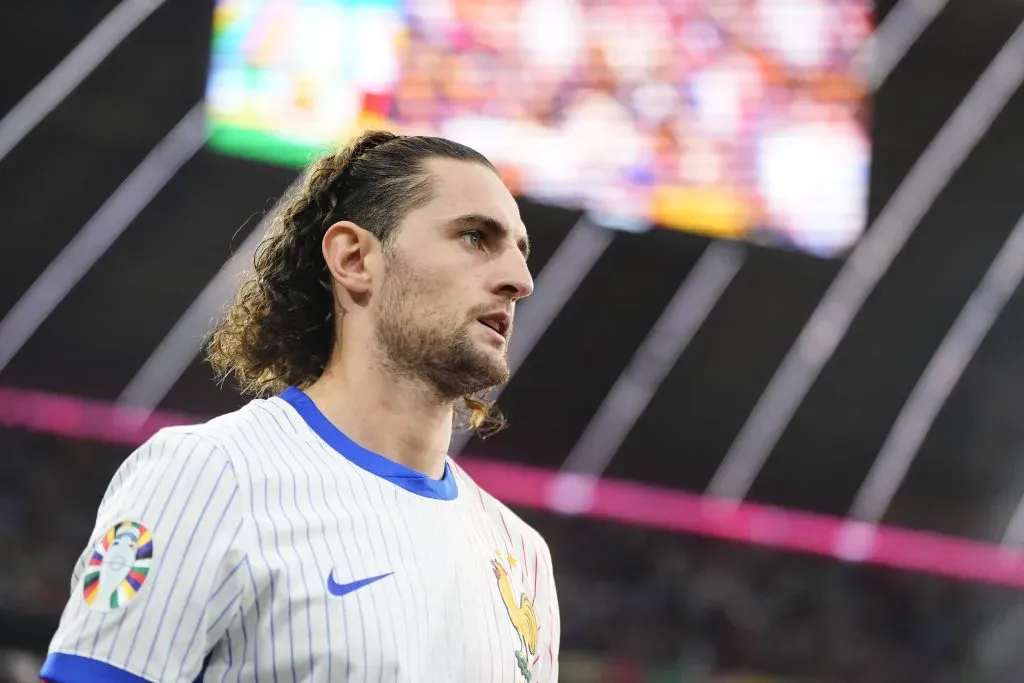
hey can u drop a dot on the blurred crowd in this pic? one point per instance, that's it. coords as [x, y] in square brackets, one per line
[638, 606]
[726, 116]
[661, 608]
[47, 513]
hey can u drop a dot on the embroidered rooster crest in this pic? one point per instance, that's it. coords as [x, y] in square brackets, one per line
[520, 612]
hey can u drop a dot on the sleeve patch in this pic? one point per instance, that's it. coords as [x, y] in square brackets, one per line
[119, 566]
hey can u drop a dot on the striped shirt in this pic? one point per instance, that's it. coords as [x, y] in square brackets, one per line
[265, 545]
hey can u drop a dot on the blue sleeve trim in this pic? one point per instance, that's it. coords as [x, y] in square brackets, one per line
[202, 672]
[64, 668]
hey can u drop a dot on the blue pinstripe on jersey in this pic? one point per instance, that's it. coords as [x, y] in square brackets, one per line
[287, 428]
[408, 543]
[245, 650]
[272, 436]
[224, 612]
[286, 571]
[350, 482]
[404, 597]
[199, 572]
[214, 626]
[231, 573]
[261, 537]
[180, 564]
[306, 453]
[245, 637]
[230, 654]
[382, 534]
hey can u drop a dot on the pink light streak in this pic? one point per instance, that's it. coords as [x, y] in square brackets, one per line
[608, 499]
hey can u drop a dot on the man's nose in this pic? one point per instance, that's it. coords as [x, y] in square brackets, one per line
[516, 281]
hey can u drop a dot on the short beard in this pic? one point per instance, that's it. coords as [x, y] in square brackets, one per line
[418, 344]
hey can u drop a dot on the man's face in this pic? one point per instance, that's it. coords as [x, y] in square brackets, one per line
[451, 279]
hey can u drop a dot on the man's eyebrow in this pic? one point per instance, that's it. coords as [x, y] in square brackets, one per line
[490, 225]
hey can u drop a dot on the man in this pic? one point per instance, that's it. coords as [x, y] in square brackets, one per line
[321, 533]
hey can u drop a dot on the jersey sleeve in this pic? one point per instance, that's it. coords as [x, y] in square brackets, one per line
[162, 575]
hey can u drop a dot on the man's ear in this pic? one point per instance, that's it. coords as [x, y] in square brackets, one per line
[352, 255]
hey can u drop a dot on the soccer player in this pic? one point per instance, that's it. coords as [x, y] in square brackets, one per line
[321, 532]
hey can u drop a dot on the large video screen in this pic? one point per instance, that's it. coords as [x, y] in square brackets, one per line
[735, 118]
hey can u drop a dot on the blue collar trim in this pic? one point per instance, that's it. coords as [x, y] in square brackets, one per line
[398, 474]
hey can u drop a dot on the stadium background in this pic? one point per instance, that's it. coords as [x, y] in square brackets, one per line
[682, 369]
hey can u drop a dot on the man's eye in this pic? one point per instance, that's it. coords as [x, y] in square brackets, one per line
[473, 238]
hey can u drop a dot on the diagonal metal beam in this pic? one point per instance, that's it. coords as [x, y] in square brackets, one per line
[865, 267]
[659, 352]
[72, 70]
[894, 37]
[944, 370]
[1014, 534]
[96, 236]
[556, 282]
[174, 354]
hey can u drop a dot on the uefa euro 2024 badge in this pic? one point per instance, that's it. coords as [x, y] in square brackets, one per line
[118, 567]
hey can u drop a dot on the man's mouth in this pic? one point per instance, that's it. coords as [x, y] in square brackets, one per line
[499, 322]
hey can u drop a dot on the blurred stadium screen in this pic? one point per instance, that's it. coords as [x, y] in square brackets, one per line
[742, 119]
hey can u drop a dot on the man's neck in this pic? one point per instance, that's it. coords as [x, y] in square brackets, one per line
[395, 418]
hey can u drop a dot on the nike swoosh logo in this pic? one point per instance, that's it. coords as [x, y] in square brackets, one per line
[339, 589]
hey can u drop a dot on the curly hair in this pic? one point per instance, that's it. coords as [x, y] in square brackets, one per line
[279, 330]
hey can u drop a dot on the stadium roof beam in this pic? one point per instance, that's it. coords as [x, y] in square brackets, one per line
[656, 356]
[936, 383]
[95, 237]
[72, 70]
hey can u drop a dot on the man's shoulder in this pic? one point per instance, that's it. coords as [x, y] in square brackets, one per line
[517, 526]
[247, 430]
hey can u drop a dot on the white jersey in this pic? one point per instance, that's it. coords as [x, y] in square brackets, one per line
[267, 546]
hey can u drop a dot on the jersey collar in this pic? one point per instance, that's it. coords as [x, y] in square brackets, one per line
[374, 463]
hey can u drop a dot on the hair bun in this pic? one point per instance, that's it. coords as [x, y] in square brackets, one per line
[356, 149]
[369, 141]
